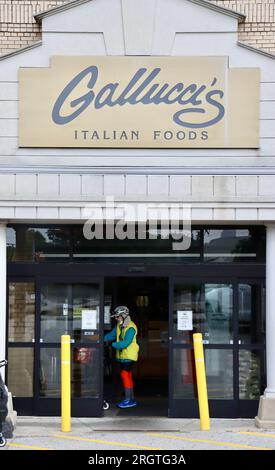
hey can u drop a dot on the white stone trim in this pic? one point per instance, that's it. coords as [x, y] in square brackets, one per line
[3, 286]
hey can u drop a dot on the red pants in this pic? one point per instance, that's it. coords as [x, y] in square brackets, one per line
[126, 375]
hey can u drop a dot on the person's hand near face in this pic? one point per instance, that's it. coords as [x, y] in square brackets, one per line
[119, 319]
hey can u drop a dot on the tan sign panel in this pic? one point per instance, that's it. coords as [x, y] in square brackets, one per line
[139, 102]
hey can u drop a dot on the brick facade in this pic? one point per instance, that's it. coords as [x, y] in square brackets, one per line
[259, 27]
[19, 29]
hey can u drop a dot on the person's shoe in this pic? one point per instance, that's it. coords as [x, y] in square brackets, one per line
[122, 403]
[127, 404]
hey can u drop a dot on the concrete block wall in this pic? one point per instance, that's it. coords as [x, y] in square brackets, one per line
[19, 29]
[84, 187]
[211, 197]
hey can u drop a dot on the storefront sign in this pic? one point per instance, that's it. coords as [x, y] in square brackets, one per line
[174, 102]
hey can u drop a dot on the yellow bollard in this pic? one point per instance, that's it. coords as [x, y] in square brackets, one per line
[65, 383]
[201, 382]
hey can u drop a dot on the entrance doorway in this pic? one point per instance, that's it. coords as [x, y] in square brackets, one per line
[225, 304]
[148, 301]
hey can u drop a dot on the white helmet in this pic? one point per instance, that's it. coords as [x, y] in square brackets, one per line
[122, 311]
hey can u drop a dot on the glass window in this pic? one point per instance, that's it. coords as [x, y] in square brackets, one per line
[70, 309]
[249, 375]
[234, 245]
[251, 314]
[219, 373]
[184, 374]
[145, 244]
[55, 311]
[86, 308]
[38, 244]
[219, 313]
[205, 309]
[20, 371]
[188, 305]
[84, 373]
[21, 311]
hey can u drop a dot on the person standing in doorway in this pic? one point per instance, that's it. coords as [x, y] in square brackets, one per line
[124, 341]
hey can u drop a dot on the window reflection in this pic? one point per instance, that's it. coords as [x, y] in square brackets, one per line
[84, 373]
[219, 312]
[184, 374]
[63, 243]
[146, 244]
[70, 309]
[55, 311]
[20, 371]
[234, 245]
[249, 375]
[21, 311]
[86, 305]
[251, 314]
[219, 372]
[38, 244]
[209, 309]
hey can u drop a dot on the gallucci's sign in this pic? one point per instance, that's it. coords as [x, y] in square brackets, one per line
[176, 102]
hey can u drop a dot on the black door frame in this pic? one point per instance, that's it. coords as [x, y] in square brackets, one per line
[218, 408]
[87, 407]
[41, 406]
[82, 272]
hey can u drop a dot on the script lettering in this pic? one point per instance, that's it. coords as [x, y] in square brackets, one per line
[193, 99]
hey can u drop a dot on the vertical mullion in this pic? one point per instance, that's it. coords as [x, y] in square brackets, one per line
[101, 342]
[170, 343]
[236, 344]
[37, 337]
[70, 310]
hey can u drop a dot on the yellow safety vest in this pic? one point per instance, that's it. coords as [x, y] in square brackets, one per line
[130, 353]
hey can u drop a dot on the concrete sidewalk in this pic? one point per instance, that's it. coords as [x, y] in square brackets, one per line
[132, 433]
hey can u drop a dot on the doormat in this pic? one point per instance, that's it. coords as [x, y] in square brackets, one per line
[147, 424]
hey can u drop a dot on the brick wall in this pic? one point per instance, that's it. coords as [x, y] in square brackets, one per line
[18, 27]
[259, 27]
[21, 329]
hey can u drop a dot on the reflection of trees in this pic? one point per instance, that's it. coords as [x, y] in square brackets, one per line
[230, 242]
[30, 241]
[58, 235]
[255, 242]
[46, 240]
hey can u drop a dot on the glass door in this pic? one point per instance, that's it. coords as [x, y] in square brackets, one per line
[73, 308]
[230, 316]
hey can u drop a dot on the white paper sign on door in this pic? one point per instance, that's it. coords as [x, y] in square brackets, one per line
[65, 309]
[185, 320]
[89, 319]
[107, 314]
